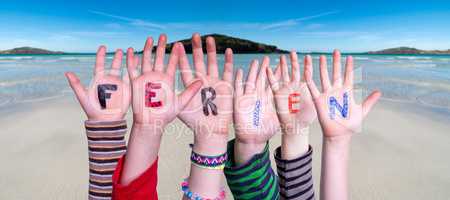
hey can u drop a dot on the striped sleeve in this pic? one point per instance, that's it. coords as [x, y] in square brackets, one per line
[253, 180]
[106, 145]
[295, 176]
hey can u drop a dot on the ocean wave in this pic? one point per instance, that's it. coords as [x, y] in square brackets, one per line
[414, 57]
[15, 58]
[361, 58]
[77, 58]
[12, 83]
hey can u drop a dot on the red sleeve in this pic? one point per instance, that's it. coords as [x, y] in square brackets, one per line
[143, 187]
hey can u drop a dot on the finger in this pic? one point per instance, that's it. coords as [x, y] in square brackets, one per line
[262, 76]
[173, 60]
[324, 79]
[100, 61]
[251, 77]
[131, 64]
[188, 93]
[197, 52]
[126, 77]
[77, 88]
[185, 68]
[228, 67]
[308, 73]
[160, 53]
[273, 81]
[284, 70]
[213, 70]
[147, 65]
[116, 63]
[370, 101]
[238, 89]
[337, 81]
[349, 75]
[278, 72]
[295, 67]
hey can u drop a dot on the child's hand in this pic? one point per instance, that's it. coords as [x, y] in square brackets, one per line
[339, 115]
[210, 111]
[154, 98]
[108, 97]
[254, 114]
[294, 104]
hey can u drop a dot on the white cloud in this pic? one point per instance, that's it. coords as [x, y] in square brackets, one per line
[294, 22]
[132, 21]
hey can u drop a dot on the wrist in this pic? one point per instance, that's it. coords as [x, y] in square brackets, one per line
[210, 144]
[294, 143]
[244, 151]
[337, 144]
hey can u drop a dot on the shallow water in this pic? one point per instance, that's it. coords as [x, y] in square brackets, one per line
[421, 80]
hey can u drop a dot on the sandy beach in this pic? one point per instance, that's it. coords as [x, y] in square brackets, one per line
[400, 155]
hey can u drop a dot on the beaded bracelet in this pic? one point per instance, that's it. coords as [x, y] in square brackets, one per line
[194, 196]
[209, 162]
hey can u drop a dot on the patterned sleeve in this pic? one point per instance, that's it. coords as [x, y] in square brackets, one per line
[252, 180]
[106, 145]
[295, 176]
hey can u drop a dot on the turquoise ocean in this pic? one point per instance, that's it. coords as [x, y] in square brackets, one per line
[414, 79]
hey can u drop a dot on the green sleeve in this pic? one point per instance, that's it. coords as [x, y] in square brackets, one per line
[252, 180]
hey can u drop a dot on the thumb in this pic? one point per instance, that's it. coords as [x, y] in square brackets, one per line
[77, 88]
[369, 102]
[188, 93]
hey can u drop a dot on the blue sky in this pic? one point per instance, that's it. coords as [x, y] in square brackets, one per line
[352, 26]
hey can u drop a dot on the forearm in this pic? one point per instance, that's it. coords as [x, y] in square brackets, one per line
[245, 151]
[334, 178]
[205, 182]
[253, 179]
[294, 165]
[106, 146]
[143, 148]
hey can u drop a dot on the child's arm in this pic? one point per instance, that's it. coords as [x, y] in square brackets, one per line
[105, 103]
[296, 112]
[248, 170]
[209, 115]
[154, 104]
[339, 117]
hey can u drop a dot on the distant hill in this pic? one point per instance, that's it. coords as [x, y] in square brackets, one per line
[409, 50]
[29, 50]
[238, 45]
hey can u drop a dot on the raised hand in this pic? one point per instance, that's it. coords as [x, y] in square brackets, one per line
[255, 118]
[108, 97]
[155, 104]
[338, 112]
[154, 99]
[209, 113]
[294, 104]
[339, 117]
[295, 107]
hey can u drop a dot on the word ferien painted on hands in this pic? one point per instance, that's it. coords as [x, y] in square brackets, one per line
[207, 101]
[334, 105]
[150, 94]
[256, 113]
[103, 95]
[293, 100]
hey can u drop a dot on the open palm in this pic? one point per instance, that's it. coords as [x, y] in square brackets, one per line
[294, 104]
[255, 118]
[338, 112]
[214, 117]
[108, 97]
[154, 98]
